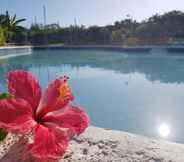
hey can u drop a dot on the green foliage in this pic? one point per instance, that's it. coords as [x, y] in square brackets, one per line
[5, 96]
[3, 133]
[11, 28]
[2, 37]
[117, 36]
[170, 24]
[156, 29]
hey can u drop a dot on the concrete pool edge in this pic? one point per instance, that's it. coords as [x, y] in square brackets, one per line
[14, 51]
[96, 47]
[102, 145]
[121, 48]
[14, 47]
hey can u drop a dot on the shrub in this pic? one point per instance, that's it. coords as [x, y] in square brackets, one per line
[2, 37]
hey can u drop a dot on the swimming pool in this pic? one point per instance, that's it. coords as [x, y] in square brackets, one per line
[141, 93]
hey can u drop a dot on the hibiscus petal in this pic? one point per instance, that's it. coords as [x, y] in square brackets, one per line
[16, 115]
[23, 85]
[74, 118]
[48, 144]
[56, 96]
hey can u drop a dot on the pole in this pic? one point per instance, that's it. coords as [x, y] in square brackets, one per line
[44, 15]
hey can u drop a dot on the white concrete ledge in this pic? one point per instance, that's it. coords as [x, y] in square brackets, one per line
[13, 51]
[100, 145]
[14, 47]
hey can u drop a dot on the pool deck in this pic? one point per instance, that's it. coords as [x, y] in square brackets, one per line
[102, 145]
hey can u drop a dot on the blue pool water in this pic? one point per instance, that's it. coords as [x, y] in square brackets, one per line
[136, 92]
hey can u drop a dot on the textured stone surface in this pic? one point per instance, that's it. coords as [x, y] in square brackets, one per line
[100, 145]
[6, 144]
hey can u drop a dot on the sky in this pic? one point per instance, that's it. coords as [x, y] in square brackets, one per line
[87, 12]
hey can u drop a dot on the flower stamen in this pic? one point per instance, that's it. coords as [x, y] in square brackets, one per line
[64, 90]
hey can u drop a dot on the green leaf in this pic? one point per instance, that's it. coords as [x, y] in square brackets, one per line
[3, 133]
[5, 96]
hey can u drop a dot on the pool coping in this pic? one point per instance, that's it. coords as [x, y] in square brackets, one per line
[5, 56]
[118, 48]
[14, 47]
[121, 48]
[95, 47]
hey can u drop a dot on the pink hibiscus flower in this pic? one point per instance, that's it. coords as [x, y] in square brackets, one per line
[49, 117]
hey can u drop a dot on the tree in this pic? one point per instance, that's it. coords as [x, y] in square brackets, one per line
[11, 26]
[117, 36]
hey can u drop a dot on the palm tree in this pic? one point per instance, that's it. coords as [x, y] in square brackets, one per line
[10, 24]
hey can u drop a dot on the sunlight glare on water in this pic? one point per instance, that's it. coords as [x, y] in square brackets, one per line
[164, 130]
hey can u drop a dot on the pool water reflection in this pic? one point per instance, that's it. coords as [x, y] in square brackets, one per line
[138, 93]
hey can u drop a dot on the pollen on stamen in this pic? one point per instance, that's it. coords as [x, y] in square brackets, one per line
[64, 90]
